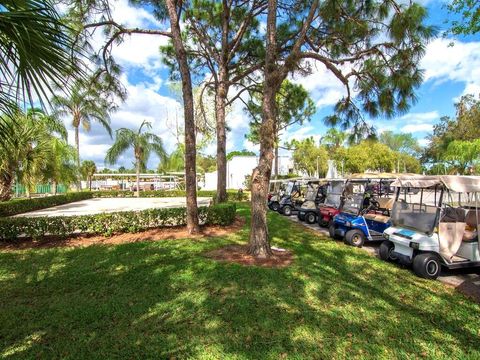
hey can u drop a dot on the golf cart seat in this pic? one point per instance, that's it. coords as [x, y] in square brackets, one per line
[470, 234]
[309, 204]
[377, 217]
[385, 203]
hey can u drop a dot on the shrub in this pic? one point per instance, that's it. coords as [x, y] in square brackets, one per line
[111, 223]
[221, 214]
[18, 206]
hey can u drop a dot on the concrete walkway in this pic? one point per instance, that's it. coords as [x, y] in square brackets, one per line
[108, 205]
[464, 280]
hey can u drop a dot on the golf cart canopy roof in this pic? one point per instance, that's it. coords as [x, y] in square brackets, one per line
[457, 183]
[382, 176]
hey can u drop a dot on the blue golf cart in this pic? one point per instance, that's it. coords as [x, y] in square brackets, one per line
[365, 211]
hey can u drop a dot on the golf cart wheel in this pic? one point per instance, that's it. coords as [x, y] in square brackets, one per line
[386, 250]
[310, 218]
[355, 238]
[331, 231]
[427, 266]
[287, 210]
[322, 222]
[274, 206]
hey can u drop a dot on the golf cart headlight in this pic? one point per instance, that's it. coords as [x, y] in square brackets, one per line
[386, 236]
[348, 223]
[414, 245]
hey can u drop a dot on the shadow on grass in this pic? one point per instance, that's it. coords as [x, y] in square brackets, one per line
[165, 299]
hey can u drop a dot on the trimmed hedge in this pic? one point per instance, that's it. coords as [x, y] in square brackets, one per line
[108, 224]
[18, 206]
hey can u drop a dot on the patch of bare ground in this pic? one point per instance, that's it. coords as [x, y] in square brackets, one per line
[169, 233]
[238, 254]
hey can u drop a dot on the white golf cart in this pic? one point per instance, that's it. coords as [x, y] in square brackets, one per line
[434, 224]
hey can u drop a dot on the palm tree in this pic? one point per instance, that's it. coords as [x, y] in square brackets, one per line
[87, 169]
[61, 167]
[334, 138]
[143, 145]
[35, 53]
[173, 162]
[28, 154]
[84, 106]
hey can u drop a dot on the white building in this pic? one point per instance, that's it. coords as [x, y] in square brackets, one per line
[239, 167]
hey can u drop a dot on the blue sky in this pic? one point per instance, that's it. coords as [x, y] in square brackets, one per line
[450, 71]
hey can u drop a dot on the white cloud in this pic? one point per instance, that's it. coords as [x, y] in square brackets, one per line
[413, 128]
[248, 145]
[324, 88]
[460, 62]
[423, 142]
[140, 50]
[237, 119]
[430, 116]
[135, 50]
[131, 16]
[301, 133]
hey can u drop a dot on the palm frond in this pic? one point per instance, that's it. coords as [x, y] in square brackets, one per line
[36, 52]
[124, 138]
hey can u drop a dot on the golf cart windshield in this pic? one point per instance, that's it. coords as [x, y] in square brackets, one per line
[420, 217]
[417, 209]
[289, 188]
[353, 204]
[334, 194]
[311, 192]
[354, 197]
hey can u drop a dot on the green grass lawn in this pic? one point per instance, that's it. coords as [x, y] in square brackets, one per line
[165, 300]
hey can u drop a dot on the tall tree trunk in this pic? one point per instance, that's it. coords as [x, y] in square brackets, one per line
[259, 245]
[90, 183]
[137, 166]
[259, 240]
[77, 146]
[276, 159]
[6, 187]
[190, 142]
[220, 104]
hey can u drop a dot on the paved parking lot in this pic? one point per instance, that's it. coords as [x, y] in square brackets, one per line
[108, 205]
[462, 279]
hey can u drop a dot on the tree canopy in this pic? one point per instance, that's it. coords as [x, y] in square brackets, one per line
[307, 155]
[466, 20]
[294, 104]
[441, 155]
[36, 151]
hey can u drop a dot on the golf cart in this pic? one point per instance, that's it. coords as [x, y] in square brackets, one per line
[436, 226]
[365, 211]
[276, 191]
[314, 197]
[331, 205]
[293, 197]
